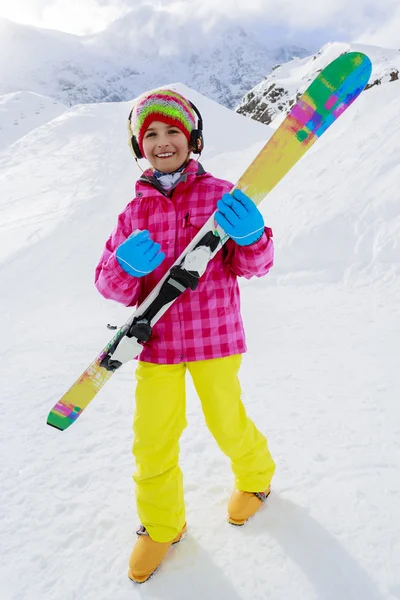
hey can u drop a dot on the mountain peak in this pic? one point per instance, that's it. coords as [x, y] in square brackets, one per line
[273, 97]
[143, 49]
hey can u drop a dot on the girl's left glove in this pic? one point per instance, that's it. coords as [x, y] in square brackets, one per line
[240, 218]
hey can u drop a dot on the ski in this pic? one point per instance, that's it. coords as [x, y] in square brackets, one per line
[328, 96]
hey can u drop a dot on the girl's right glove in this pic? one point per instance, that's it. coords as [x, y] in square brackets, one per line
[139, 255]
[240, 218]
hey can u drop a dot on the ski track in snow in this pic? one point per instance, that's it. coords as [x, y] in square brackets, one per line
[321, 378]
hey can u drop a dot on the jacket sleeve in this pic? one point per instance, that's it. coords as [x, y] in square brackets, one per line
[110, 279]
[254, 260]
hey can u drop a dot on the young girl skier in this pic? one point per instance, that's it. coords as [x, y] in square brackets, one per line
[201, 333]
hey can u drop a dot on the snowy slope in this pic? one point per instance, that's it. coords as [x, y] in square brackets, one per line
[148, 47]
[273, 97]
[87, 146]
[321, 376]
[22, 112]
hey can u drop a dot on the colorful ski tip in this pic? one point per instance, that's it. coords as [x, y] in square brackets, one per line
[330, 94]
[62, 416]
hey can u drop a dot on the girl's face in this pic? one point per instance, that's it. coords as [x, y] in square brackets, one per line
[165, 147]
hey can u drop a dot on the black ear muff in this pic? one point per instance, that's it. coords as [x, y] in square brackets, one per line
[135, 148]
[133, 143]
[196, 136]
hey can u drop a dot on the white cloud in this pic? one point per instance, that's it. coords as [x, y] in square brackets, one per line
[367, 20]
[386, 34]
[73, 16]
[299, 14]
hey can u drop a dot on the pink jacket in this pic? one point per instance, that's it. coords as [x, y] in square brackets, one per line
[204, 323]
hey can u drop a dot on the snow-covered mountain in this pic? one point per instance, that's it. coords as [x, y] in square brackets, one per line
[146, 48]
[22, 112]
[274, 96]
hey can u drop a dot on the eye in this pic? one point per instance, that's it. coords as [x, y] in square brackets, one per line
[150, 134]
[173, 131]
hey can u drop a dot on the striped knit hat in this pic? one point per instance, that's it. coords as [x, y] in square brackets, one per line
[162, 105]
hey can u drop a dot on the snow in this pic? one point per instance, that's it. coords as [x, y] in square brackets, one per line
[147, 47]
[272, 98]
[321, 376]
[22, 112]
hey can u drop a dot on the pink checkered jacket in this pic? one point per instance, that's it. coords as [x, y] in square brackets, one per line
[204, 323]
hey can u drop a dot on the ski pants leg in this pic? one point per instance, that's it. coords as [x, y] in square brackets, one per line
[159, 420]
[218, 387]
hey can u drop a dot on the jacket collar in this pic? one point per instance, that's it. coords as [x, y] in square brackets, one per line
[146, 184]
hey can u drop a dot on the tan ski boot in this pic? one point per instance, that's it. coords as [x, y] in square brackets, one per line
[243, 505]
[147, 555]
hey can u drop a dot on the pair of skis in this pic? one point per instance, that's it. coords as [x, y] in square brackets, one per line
[329, 95]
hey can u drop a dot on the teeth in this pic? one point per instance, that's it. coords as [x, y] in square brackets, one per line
[165, 154]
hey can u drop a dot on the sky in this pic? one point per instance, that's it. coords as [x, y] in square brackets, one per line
[301, 21]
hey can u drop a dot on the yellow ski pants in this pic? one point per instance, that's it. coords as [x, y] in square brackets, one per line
[160, 418]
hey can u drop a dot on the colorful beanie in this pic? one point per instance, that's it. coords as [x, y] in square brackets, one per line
[162, 105]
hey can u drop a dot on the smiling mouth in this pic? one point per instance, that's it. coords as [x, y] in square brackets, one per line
[165, 155]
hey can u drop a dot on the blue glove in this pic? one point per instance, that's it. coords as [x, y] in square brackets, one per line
[139, 255]
[240, 218]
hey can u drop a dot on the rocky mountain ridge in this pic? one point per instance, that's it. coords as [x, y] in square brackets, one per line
[274, 96]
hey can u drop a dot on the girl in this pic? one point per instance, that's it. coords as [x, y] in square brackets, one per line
[201, 333]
